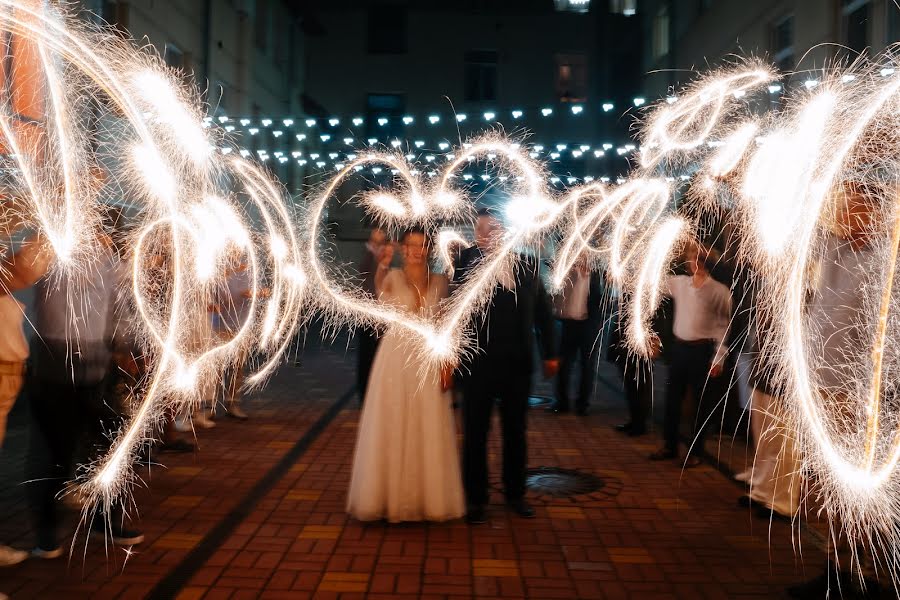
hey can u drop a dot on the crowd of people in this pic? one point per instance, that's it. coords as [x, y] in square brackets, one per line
[406, 465]
[84, 366]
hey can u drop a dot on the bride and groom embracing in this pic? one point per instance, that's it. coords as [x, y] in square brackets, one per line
[406, 465]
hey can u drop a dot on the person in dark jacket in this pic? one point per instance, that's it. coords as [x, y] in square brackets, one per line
[502, 368]
[368, 337]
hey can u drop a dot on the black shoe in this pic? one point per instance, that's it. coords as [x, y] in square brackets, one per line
[476, 515]
[521, 508]
[582, 411]
[636, 431]
[624, 427]
[558, 407]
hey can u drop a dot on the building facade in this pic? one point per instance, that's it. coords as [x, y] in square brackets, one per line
[247, 57]
[682, 37]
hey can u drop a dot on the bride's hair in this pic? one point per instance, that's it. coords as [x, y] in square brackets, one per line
[417, 230]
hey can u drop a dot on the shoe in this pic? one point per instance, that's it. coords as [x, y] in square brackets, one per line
[236, 412]
[521, 508]
[201, 419]
[11, 556]
[120, 536]
[664, 454]
[183, 425]
[39, 552]
[558, 407]
[582, 411]
[624, 427]
[476, 515]
[744, 476]
[692, 461]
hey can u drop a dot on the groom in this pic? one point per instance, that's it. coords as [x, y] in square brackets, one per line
[501, 369]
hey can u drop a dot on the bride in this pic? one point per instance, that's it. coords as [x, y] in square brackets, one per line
[406, 463]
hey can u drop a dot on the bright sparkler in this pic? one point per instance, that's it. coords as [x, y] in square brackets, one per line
[192, 228]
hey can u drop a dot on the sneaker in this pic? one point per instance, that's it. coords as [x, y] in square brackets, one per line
[44, 553]
[11, 556]
[202, 420]
[236, 412]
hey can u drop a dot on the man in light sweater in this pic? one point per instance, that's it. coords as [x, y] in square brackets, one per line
[698, 353]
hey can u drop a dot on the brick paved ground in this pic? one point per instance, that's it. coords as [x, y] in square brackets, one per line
[255, 514]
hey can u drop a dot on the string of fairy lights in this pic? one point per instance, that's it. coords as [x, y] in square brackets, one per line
[323, 145]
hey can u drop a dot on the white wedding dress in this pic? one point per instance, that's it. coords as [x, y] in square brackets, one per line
[406, 463]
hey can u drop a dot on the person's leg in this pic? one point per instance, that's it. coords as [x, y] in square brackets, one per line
[709, 391]
[588, 357]
[638, 391]
[236, 382]
[477, 407]
[678, 386]
[54, 437]
[568, 348]
[513, 416]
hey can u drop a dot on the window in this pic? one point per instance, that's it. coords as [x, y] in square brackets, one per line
[387, 29]
[261, 25]
[173, 56]
[855, 17]
[893, 23]
[783, 43]
[623, 7]
[571, 77]
[481, 76]
[661, 32]
[577, 6]
[385, 106]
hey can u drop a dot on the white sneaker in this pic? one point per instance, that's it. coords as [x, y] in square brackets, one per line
[202, 420]
[183, 425]
[744, 476]
[236, 412]
[11, 556]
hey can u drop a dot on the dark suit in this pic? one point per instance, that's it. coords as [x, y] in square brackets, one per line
[636, 370]
[501, 368]
[578, 344]
[368, 337]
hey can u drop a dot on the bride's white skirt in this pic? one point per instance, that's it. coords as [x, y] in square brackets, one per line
[406, 463]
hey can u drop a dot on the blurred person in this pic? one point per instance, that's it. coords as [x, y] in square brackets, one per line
[845, 270]
[368, 337]
[67, 392]
[19, 271]
[698, 352]
[502, 368]
[578, 307]
[637, 376]
[406, 461]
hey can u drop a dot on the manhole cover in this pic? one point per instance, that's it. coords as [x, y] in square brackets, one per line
[561, 483]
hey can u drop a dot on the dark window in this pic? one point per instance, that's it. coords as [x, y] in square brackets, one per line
[856, 16]
[571, 77]
[387, 29]
[578, 6]
[385, 106]
[660, 41]
[173, 56]
[783, 43]
[481, 76]
[893, 23]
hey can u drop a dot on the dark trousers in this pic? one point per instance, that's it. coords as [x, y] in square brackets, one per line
[576, 343]
[368, 344]
[511, 386]
[638, 381]
[66, 418]
[689, 370]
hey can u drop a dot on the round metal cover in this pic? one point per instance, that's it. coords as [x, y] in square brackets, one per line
[562, 483]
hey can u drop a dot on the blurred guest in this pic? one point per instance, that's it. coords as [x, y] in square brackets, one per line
[377, 247]
[502, 369]
[578, 307]
[19, 271]
[71, 362]
[697, 356]
[406, 462]
[637, 376]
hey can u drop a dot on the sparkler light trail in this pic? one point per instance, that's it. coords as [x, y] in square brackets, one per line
[201, 213]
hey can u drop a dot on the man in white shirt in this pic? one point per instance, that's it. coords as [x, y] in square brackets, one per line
[697, 358]
[577, 307]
